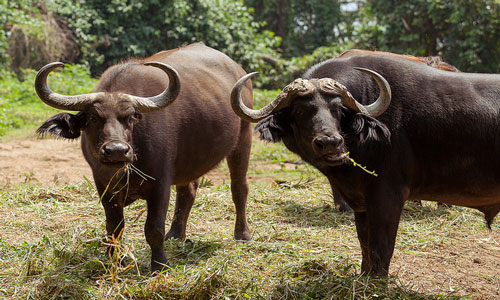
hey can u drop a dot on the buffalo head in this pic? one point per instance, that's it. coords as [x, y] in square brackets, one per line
[314, 117]
[105, 119]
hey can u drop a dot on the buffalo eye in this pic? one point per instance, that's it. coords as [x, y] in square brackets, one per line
[92, 118]
[134, 118]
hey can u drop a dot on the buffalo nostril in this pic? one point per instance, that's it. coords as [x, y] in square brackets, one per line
[319, 143]
[336, 141]
[106, 152]
[113, 149]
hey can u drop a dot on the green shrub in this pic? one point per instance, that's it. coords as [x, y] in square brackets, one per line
[13, 13]
[278, 74]
[108, 31]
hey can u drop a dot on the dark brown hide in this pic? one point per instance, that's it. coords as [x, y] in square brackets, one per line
[175, 145]
[438, 140]
[432, 61]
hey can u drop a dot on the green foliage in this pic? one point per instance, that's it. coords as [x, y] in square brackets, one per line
[284, 71]
[465, 33]
[19, 12]
[19, 104]
[109, 31]
[303, 25]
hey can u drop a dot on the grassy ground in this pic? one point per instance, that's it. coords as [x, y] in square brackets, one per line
[51, 243]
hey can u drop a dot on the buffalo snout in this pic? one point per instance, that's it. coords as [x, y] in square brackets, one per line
[115, 152]
[328, 144]
[330, 149]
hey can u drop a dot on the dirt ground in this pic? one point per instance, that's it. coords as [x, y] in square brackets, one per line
[46, 161]
[471, 265]
[51, 162]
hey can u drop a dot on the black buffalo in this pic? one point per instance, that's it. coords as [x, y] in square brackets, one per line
[138, 147]
[430, 134]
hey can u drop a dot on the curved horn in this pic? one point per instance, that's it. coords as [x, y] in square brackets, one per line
[247, 114]
[150, 104]
[75, 103]
[380, 105]
[298, 86]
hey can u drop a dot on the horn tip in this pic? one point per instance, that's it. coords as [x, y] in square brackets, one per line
[362, 69]
[155, 63]
[52, 65]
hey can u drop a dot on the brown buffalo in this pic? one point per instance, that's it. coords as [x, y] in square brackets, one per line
[138, 147]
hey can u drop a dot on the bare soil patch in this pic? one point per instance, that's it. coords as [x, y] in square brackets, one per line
[46, 161]
[51, 162]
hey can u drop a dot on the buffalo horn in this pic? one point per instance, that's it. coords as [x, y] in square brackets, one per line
[380, 105]
[150, 104]
[297, 87]
[79, 102]
[303, 87]
[75, 103]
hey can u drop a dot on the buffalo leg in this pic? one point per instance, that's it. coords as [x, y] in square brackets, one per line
[113, 208]
[238, 167]
[183, 203]
[339, 202]
[155, 225]
[361, 220]
[384, 211]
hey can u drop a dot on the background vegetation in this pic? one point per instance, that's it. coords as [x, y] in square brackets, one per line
[278, 38]
[270, 36]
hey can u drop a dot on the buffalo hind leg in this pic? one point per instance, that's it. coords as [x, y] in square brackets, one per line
[338, 199]
[339, 202]
[154, 229]
[183, 203]
[238, 167]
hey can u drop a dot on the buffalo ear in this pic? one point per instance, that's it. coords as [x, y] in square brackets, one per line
[63, 125]
[273, 128]
[366, 128]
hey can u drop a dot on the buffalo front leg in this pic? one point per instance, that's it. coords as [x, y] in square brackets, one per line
[115, 222]
[384, 213]
[183, 204]
[238, 167]
[361, 219]
[154, 229]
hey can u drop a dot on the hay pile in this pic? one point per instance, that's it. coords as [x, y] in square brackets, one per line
[50, 39]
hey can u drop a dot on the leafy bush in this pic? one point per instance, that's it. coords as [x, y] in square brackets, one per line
[14, 13]
[280, 72]
[108, 31]
[464, 33]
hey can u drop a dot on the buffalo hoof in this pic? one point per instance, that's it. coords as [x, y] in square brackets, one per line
[159, 264]
[172, 235]
[114, 256]
[157, 269]
[343, 207]
[242, 236]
